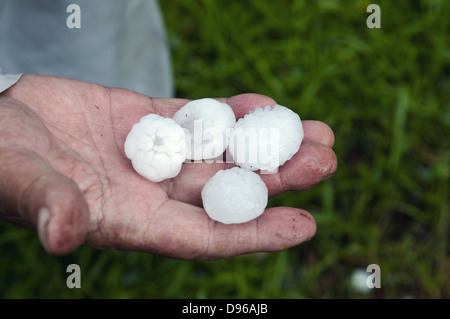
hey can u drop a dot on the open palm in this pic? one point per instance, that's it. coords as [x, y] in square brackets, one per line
[64, 171]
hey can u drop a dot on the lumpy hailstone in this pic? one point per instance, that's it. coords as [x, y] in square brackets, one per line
[156, 146]
[266, 138]
[208, 123]
[234, 195]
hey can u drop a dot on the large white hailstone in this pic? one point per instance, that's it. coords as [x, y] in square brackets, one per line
[208, 123]
[266, 138]
[156, 147]
[235, 195]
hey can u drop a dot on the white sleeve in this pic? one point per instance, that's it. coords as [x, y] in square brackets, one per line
[119, 43]
[8, 80]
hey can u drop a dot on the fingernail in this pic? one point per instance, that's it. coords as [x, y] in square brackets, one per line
[42, 222]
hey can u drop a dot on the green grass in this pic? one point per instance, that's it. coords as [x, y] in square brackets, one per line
[386, 94]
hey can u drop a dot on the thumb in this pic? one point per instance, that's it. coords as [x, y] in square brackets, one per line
[33, 194]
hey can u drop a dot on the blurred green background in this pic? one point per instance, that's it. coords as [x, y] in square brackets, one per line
[385, 93]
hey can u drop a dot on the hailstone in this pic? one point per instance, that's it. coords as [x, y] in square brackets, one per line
[235, 195]
[266, 138]
[208, 123]
[156, 147]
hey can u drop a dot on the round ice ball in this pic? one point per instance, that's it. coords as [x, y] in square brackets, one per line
[156, 147]
[266, 138]
[235, 195]
[208, 123]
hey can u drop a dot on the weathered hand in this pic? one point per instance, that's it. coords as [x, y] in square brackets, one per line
[63, 171]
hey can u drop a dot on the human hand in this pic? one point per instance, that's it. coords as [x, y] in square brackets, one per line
[63, 171]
